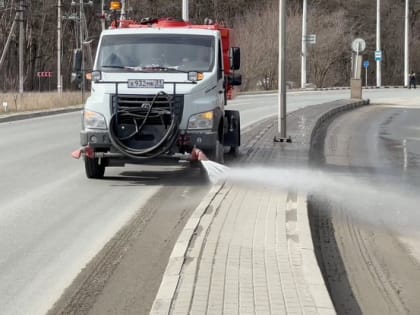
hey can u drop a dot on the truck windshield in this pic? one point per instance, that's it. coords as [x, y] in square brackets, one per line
[156, 52]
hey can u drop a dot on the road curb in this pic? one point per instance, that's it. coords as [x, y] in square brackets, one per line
[172, 275]
[35, 114]
[334, 111]
[311, 270]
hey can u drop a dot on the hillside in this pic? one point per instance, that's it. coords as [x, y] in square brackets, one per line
[335, 22]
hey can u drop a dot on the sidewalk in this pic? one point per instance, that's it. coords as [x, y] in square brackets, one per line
[249, 250]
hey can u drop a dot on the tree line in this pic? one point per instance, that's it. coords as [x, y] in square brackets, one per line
[335, 22]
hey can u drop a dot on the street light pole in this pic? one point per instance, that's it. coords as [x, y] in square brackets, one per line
[59, 82]
[378, 42]
[304, 47]
[21, 44]
[185, 10]
[102, 15]
[282, 74]
[406, 47]
[81, 20]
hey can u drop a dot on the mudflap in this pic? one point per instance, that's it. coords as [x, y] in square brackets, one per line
[232, 136]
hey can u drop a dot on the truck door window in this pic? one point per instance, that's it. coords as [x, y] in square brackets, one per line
[220, 62]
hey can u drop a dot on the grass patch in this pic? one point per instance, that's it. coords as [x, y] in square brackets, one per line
[33, 101]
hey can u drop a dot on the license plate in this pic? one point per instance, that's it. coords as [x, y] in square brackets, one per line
[146, 83]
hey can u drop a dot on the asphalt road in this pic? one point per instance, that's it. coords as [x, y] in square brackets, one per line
[53, 220]
[369, 237]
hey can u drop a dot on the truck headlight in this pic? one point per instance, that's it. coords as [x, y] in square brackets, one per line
[201, 121]
[93, 120]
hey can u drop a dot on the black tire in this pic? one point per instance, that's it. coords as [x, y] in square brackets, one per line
[201, 171]
[217, 153]
[234, 151]
[94, 169]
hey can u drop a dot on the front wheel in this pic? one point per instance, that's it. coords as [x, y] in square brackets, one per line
[94, 168]
[216, 154]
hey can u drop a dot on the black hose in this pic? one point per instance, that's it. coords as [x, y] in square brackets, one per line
[159, 148]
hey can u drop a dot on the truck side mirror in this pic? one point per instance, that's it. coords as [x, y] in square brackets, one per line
[76, 75]
[236, 58]
[77, 60]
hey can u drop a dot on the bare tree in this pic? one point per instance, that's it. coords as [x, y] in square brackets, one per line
[257, 34]
[332, 46]
[335, 22]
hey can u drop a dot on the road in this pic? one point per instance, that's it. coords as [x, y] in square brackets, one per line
[256, 107]
[369, 235]
[53, 220]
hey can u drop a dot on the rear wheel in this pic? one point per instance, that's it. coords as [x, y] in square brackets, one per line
[234, 151]
[93, 168]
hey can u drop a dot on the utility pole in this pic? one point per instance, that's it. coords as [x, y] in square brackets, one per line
[102, 15]
[122, 16]
[185, 10]
[378, 43]
[6, 46]
[81, 20]
[304, 47]
[21, 47]
[406, 46]
[59, 80]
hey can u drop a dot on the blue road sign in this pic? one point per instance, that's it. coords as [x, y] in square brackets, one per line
[378, 55]
[366, 63]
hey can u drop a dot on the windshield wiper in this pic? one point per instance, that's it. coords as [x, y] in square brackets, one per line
[171, 69]
[159, 68]
[146, 68]
[113, 66]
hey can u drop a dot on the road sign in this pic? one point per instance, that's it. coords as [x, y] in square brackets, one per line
[44, 74]
[358, 45]
[311, 39]
[378, 55]
[366, 63]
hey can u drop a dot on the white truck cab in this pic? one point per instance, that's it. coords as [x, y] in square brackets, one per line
[159, 91]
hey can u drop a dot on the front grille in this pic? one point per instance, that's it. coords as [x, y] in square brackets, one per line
[141, 103]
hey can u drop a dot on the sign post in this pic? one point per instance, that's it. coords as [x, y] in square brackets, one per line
[44, 74]
[358, 46]
[366, 66]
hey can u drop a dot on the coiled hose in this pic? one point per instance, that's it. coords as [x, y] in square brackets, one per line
[136, 115]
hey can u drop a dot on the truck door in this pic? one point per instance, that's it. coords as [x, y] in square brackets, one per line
[220, 76]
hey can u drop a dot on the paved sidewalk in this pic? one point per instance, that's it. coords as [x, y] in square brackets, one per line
[247, 259]
[249, 250]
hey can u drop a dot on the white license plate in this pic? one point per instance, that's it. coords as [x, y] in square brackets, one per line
[146, 83]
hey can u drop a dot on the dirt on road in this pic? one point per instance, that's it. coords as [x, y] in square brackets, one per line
[366, 267]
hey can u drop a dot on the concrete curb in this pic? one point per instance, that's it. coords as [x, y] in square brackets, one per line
[34, 114]
[311, 270]
[334, 88]
[334, 111]
[171, 277]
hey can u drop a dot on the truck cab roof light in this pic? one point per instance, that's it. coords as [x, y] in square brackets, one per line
[115, 5]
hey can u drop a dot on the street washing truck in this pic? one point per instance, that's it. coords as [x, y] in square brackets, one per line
[158, 92]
